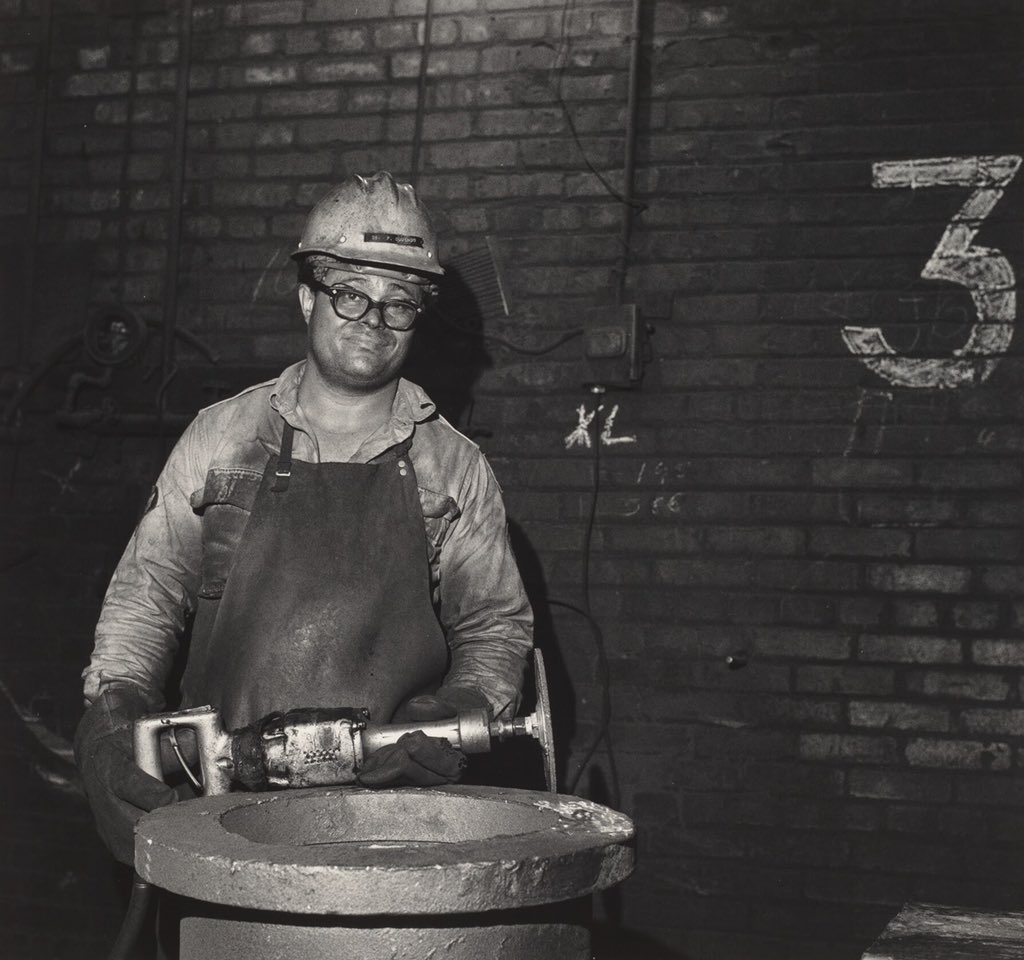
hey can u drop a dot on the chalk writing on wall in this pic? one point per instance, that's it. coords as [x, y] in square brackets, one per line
[580, 435]
[279, 270]
[984, 271]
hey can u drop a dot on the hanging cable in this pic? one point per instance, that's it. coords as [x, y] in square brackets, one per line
[562, 59]
[603, 733]
[515, 347]
[533, 351]
[134, 918]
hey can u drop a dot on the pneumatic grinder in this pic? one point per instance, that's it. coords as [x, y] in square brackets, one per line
[313, 746]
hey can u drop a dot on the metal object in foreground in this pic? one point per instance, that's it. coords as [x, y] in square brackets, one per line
[940, 932]
[352, 874]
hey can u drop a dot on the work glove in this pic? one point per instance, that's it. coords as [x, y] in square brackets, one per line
[414, 760]
[447, 702]
[118, 791]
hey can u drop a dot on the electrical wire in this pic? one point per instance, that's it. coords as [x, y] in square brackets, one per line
[595, 490]
[533, 351]
[637, 205]
[562, 59]
[508, 344]
[181, 760]
[604, 672]
[134, 918]
[604, 680]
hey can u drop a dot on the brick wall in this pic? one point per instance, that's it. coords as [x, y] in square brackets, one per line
[806, 555]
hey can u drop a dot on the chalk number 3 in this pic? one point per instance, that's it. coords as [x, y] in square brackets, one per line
[984, 271]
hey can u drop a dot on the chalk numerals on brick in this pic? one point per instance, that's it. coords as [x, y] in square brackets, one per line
[984, 271]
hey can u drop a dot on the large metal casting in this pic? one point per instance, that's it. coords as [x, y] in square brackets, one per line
[353, 874]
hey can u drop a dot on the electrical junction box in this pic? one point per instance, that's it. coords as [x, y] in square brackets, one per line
[615, 346]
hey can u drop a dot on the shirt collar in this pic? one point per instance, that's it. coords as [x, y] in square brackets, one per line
[411, 406]
[284, 398]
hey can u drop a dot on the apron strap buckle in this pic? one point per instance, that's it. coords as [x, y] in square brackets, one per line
[281, 478]
[283, 471]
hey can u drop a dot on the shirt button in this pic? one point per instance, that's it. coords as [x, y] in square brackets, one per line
[401, 464]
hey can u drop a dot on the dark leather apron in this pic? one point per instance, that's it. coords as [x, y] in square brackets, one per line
[327, 603]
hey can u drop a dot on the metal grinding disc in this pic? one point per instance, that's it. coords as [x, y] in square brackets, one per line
[542, 721]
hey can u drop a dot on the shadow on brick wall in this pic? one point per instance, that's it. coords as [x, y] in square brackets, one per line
[448, 354]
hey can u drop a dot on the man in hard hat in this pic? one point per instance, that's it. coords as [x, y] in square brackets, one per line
[334, 541]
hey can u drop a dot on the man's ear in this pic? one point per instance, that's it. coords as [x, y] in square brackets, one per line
[306, 299]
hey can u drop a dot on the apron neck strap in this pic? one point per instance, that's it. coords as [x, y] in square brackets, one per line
[283, 471]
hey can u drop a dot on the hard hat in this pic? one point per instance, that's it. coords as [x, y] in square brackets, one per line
[372, 220]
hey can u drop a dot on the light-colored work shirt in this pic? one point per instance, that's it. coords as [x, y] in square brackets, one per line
[184, 543]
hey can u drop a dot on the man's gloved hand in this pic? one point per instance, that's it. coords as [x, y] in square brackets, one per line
[414, 760]
[118, 791]
[447, 702]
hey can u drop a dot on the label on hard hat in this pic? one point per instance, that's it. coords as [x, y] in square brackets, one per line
[400, 238]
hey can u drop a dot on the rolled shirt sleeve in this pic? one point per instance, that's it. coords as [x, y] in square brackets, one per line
[484, 608]
[154, 586]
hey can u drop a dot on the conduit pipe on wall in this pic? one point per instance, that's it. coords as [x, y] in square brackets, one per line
[421, 95]
[629, 162]
[170, 311]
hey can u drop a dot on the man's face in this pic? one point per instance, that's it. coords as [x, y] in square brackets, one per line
[357, 355]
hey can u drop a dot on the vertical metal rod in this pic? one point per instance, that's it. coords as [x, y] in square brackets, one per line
[170, 289]
[421, 95]
[35, 191]
[629, 163]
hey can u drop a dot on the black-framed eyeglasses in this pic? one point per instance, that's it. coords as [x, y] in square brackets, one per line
[352, 304]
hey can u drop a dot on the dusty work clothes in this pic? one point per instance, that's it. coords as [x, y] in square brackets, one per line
[184, 546]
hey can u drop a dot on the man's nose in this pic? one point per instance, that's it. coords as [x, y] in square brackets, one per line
[374, 317]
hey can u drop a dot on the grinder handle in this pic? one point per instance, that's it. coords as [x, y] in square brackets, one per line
[468, 731]
[211, 741]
